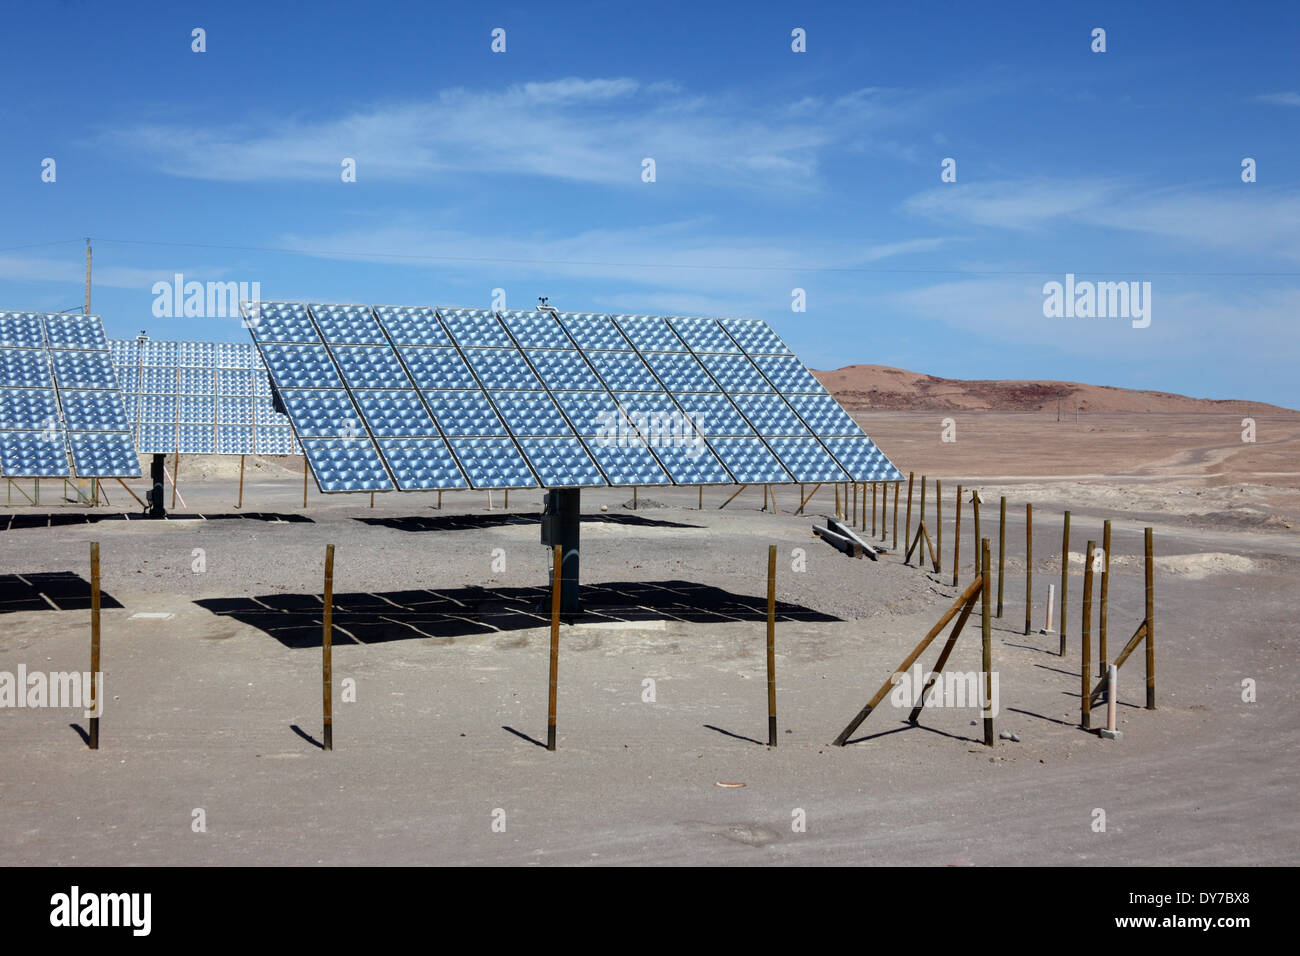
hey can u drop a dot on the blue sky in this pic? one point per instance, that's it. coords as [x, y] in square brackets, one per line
[775, 170]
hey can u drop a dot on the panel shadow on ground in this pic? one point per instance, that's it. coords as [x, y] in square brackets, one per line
[19, 521]
[447, 613]
[48, 591]
[477, 522]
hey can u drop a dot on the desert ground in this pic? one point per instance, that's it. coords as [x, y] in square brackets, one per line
[213, 702]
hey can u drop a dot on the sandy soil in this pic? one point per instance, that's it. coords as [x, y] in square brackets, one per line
[218, 706]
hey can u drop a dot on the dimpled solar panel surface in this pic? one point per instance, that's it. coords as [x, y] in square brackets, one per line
[199, 398]
[59, 397]
[418, 398]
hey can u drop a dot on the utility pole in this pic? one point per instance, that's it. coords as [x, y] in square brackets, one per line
[87, 275]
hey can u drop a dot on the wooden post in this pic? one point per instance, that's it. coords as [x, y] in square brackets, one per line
[956, 541]
[771, 645]
[837, 500]
[1029, 564]
[440, 501]
[372, 499]
[507, 502]
[95, 689]
[240, 502]
[897, 487]
[634, 497]
[305, 469]
[986, 635]
[327, 650]
[1002, 548]
[176, 471]
[701, 505]
[975, 507]
[875, 490]
[557, 562]
[907, 523]
[1065, 575]
[1085, 641]
[1151, 621]
[922, 521]
[854, 519]
[1105, 594]
[938, 525]
[965, 599]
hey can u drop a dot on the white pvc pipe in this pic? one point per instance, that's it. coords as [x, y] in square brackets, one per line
[1112, 679]
[1051, 597]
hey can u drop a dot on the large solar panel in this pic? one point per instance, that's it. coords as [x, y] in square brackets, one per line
[425, 398]
[210, 398]
[59, 398]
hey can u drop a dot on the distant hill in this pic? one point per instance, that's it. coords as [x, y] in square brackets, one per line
[878, 386]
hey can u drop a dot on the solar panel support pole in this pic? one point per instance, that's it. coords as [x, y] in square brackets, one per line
[157, 474]
[561, 525]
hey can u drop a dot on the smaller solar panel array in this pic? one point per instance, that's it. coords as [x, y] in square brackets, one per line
[59, 396]
[418, 398]
[199, 398]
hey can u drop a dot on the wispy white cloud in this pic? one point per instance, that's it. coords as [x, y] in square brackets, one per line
[574, 129]
[1243, 218]
[682, 255]
[1289, 98]
[1214, 328]
[72, 272]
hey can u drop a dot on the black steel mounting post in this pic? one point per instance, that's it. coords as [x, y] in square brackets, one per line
[157, 472]
[561, 524]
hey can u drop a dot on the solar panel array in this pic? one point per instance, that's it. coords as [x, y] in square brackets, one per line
[199, 398]
[418, 398]
[59, 396]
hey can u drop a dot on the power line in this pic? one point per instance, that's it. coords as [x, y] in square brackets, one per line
[37, 245]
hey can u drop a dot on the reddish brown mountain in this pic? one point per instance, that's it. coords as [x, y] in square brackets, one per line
[878, 386]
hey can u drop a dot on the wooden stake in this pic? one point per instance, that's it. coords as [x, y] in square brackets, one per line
[176, 473]
[837, 500]
[95, 689]
[372, 499]
[975, 508]
[743, 487]
[440, 501]
[956, 541]
[897, 486]
[873, 508]
[633, 498]
[986, 636]
[305, 469]
[1002, 548]
[556, 567]
[1085, 642]
[327, 650]
[937, 672]
[923, 479]
[240, 502]
[965, 597]
[701, 507]
[771, 645]
[507, 501]
[129, 491]
[938, 526]
[1151, 621]
[1065, 575]
[1105, 593]
[1029, 564]
[907, 523]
